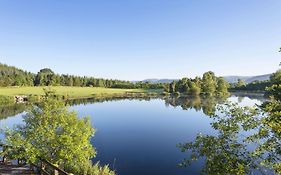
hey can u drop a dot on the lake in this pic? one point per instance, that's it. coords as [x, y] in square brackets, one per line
[140, 136]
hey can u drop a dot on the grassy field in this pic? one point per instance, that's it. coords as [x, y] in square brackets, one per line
[71, 92]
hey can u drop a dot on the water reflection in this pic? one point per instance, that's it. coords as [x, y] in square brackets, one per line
[86, 101]
[18, 108]
[12, 110]
[246, 143]
[226, 147]
[207, 105]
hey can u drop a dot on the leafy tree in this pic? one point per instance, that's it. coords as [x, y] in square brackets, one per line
[234, 150]
[172, 88]
[194, 89]
[275, 78]
[240, 83]
[222, 87]
[209, 83]
[53, 133]
[254, 86]
[228, 152]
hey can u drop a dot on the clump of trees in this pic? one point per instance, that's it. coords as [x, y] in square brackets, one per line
[208, 85]
[256, 86]
[52, 132]
[234, 149]
[12, 76]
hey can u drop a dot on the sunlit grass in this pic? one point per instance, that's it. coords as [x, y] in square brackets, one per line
[71, 92]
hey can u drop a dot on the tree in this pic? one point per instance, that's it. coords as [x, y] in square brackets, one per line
[53, 133]
[240, 83]
[228, 152]
[44, 77]
[275, 78]
[194, 89]
[209, 83]
[172, 88]
[222, 87]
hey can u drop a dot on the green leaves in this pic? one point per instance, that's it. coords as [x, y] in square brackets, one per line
[248, 138]
[52, 132]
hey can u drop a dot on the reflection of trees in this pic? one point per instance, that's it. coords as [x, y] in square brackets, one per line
[11, 110]
[240, 99]
[208, 105]
[104, 99]
[247, 142]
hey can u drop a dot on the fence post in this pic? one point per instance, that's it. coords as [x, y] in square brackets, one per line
[43, 166]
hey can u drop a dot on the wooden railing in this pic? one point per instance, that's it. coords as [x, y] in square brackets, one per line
[43, 167]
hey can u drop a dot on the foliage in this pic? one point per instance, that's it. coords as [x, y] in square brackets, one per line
[228, 152]
[248, 139]
[6, 100]
[87, 168]
[253, 86]
[12, 76]
[240, 83]
[53, 133]
[222, 87]
[209, 85]
[257, 85]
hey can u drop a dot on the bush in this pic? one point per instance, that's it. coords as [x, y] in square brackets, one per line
[87, 168]
[4, 100]
[34, 98]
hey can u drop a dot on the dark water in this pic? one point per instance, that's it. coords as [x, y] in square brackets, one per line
[137, 137]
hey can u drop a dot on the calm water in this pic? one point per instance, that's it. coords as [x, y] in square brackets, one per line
[140, 136]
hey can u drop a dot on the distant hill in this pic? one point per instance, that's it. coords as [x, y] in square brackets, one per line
[159, 80]
[247, 79]
[230, 79]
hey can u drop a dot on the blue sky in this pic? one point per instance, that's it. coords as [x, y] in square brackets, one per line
[138, 39]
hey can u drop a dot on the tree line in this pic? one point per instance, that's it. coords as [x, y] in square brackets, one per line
[209, 85]
[12, 76]
[237, 128]
[257, 85]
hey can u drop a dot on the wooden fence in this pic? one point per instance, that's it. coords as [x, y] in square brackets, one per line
[42, 167]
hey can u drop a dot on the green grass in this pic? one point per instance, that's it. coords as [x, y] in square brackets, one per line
[72, 92]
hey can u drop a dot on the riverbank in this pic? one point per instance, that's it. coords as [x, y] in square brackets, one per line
[67, 92]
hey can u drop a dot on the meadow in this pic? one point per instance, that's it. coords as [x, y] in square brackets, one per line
[72, 92]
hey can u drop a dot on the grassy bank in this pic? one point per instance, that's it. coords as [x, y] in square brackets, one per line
[71, 92]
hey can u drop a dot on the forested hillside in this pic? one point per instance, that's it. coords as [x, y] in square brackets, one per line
[12, 76]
